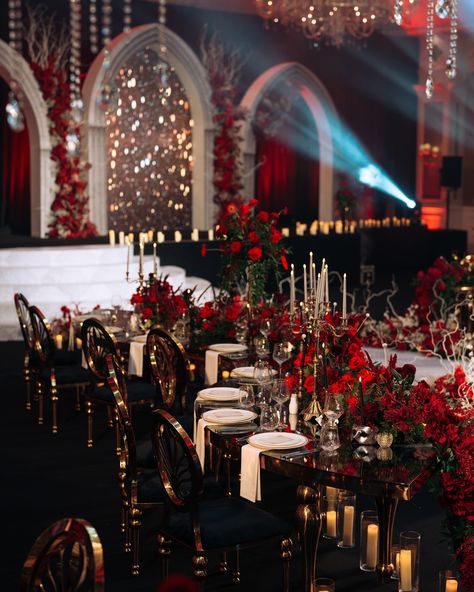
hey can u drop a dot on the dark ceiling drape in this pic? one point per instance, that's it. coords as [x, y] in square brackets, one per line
[14, 174]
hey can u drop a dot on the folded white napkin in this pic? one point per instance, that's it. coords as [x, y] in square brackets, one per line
[135, 360]
[200, 442]
[211, 366]
[250, 487]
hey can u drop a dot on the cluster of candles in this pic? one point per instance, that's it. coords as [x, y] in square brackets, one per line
[345, 226]
[123, 238]
[315, 289]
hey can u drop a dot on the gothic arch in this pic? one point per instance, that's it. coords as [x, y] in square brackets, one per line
[14, 67]
[324, 113]
[193, 78]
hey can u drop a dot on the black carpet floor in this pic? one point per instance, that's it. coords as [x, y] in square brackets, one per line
[47, 477]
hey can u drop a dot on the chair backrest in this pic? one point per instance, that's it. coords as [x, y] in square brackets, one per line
[169, 368]
[23, 311]
[118, 386]
[97, 344]
[44, 344]
[66, 556]
[178, 462]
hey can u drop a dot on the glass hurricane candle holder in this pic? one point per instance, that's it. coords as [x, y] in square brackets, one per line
[369, 540]
[409, 575]
[346, 519]
[448, 581]
[395, 558]
[384, 439]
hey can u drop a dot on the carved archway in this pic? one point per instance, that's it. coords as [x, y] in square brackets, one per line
[14, 67]
[325, 117]
[193, 78]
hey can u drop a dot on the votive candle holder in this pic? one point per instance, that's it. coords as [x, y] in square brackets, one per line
[346, 519]
[369, 540]
[409, 576]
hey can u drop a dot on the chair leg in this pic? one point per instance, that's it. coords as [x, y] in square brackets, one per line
[286, 547]
[164, 551]
[236, 570]
[40, 393]
[134, 525]
[90, 414]
[200, 562]
[54, 409]
[124, 527]
[27, 379]
[223, 562]
[110, 417]
[118, 439]
[228, 463]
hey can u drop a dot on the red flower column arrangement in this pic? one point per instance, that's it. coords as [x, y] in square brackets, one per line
[70, 207]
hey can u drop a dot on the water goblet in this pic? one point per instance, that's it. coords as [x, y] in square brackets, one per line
[265, 327]
[268, 418]
[281, 353]
[246, 396]
[333, 406]
[261, 346]
[281, 394]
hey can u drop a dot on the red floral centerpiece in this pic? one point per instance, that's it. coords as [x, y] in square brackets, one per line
[158, 303]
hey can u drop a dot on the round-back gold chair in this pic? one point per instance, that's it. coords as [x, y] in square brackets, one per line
[97, 344]
[139, 491]
[203, 525]
[66, 556]
[22, 307]
[50, 377]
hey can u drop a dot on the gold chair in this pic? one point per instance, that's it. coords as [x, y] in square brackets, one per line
[204, 525]
[29, 367]
[51, 377]
[97, 344]
[139, 491]
[66, 556]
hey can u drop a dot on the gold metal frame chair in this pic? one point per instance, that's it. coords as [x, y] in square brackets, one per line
[45, 349]
[97, 344]
[66, 556]
[129, 474]
[181, 474]
[170, 368]
[23, 311]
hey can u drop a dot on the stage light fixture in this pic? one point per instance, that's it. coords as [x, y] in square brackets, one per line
[373, 177]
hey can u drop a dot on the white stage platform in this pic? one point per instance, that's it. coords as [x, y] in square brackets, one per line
[51, 277]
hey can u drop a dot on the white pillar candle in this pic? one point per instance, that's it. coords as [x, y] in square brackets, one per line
[155, 265]
[372, 545]
[348, 526]
[451, 586]
[331, 523]
[285, 232]
[331, 496]
[58, 341]
[160, 237]
[150, 236]
[111, 237]
[130, 238]
[210, 234]
[195, 234]
[305, 285]
[405, 570]
[121, 237]
[344, 296]
[140, 263]
[177, 236]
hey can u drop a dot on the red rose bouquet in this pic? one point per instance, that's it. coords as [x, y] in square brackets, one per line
[158, 303]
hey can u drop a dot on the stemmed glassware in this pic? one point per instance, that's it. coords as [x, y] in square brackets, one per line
[116, 302]
[332, 411]
[246, 396]
[262, 374]
[281, 353]
[280, 394]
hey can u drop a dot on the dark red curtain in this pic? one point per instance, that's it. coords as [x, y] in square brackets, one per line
[288, 172]
[15, 174]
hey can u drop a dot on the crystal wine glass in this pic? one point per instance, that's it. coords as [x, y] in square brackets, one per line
[268, 418]
[281, 353]
[281, 394]
[246, 396]
[262, 374]
[333, 406]
[116, 302]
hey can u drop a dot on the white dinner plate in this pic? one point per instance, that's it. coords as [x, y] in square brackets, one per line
[228, 415]
[246, 372]
[114, 329]
[219, 393]
[277, 440]
[228, 348]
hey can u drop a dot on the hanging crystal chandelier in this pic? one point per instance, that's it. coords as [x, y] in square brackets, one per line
[332, 21]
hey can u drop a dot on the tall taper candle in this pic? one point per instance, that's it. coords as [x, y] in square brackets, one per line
[129, 246]
[140, 263]
[305, 286]
[326, 284]
[344, 296]
[311, 279]
[313, 285]
[155, 265]
[292, 289]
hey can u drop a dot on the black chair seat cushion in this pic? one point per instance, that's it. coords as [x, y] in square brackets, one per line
[63, 357]
[138, 390]
[69, 375]
[151, 490]
[145, 455]
[227, 522]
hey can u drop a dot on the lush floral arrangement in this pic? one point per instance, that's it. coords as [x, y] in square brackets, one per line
[251, 245]
[70, 207]
[158, 303]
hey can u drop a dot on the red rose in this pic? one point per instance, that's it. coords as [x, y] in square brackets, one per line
[147, 312]
[253, 202]
[253, 237]
[235, 246]
[231, 208]
[255, 253]
[275, 235]
[136, 299]
[263, 216]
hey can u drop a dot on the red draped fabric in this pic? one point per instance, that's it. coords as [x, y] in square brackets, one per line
[15, 174]
[288, 167]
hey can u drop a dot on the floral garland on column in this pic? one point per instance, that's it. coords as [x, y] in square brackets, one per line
[70, 207]
[222, 69]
